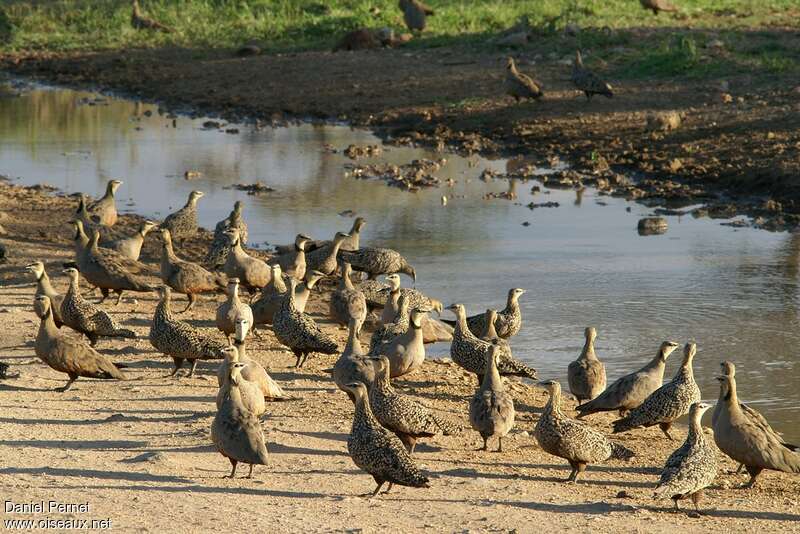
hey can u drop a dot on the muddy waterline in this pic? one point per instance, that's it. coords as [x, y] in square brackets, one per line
[733, 291]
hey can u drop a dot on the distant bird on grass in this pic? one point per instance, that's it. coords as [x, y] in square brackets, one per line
[657, 6]
[143, 22]
[415, 14]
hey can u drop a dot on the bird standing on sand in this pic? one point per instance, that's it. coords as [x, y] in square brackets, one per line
[270, 299]
[667, 403]
[347, 302]
[110, 271]
[508, 322]
[376, 261]
[575, 441]
[401, 414]
[519, 85]
[324, 259]
[587, 81]
[236, 431]
[746, 440]
[377, 450]
[657, 6]
[692, 467]
[178, 340]
[587, 374]
[44, 287]
[252, 370]
[405, 351]
[86, 318]
[252, 272]
[187, 277]
[220, 244]
[353, 365]
[470, 353]
[629, 391]
[491, 409]
[752, 415]
[68, 355]
[252, 397]
[299, 331]
[415, 14]
[183, 223]
[232, 310]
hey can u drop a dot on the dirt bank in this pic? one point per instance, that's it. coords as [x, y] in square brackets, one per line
[139, 451]
[737, 148]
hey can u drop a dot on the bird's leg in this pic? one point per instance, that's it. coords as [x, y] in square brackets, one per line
[104, 293]
[677, 508]
[191, 369]
[178, 365]
[380, 484]
[485, 443]
[119, 297]
[480, 379]
[233, 468]
[250, 474]
[665, 429]
[229, 339]
[190, 305]
[740, 469]
[754, 472]
[413, 446]
[65, 387]
[696, 500]
[389, 488]
[92, 339]
[573, 475]
[500, 444]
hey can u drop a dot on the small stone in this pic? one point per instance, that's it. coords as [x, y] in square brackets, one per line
[770, 135]
[726, 98]
[526, 223]
[652, 226]
[624, 495]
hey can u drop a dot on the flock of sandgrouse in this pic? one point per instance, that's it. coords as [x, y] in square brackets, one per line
[386, 423]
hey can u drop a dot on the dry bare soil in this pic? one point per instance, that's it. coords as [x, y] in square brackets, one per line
[139, 452]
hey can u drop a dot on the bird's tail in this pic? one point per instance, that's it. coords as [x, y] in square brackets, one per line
[621, 452]
[621, 425]
[123, 332]
[514, 367]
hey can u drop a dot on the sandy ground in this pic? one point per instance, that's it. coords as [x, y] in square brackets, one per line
[139, 452]
[738, 144]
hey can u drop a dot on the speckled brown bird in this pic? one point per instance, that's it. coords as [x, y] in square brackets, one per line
[519, 85]
[587, 81]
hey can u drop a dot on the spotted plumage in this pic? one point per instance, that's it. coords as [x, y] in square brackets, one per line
[68, 355]
[587, 374]
[508, 322]
[179, 340]
[519, 85]
[220, 244]
[44, 287]
[746, 439]
[86, 318]
[629, 391]
[236, 431]
[692, 467]
[387, 332]
[667, 403]
[377, 450]
[470, 352]
[347, 302]
[299, 331]
[376, 261]
[575, 441]
[183, 223]
[587, 81]
[491, 409]
[407, 418]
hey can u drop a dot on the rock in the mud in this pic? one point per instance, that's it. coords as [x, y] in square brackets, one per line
[652, 226]
[434, 331]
